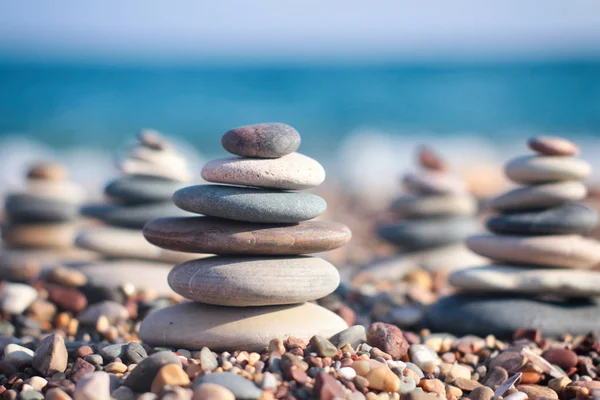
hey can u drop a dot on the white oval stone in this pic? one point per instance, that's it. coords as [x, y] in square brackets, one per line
[566, 251]
[527, 280]
[16, 297]
[195, 325]
[294, 171]
[540, 169]
[539, 196]
[254, 281]
[18, 356]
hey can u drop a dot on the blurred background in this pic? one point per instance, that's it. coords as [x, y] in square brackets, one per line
[363, 84]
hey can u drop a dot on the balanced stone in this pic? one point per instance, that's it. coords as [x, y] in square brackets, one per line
[221, 236]
[47, 235]
[294, 172]
[411, 206]
[502, 316]
[270, 140]
[564, 219]
[567, 251]
[55, 190]
[254, 281]
[539, 196]
[48, 171]
[136, 189]
[196, 325]
[434, 182]
[249, 204]
[26, 208]
[136, 216]
[541, 169]
[425, 233]
[527, 280]
[553, 146]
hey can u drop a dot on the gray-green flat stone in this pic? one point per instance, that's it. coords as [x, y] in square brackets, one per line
[249, 204]
[138, 189]
[136, 216]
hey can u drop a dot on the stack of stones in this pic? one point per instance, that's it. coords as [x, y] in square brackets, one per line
[260, 284]
[152, 171]
[436, 215]
[545, 274]
[40, 223]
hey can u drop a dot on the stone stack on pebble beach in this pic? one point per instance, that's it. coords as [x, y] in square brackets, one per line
[261, 284]
[40, 223]
[545, 274]
[436, 215]
[152, 171]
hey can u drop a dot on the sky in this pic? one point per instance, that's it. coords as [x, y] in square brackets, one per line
[313, 30]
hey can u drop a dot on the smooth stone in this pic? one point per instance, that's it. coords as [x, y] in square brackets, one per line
[97, 211]
[241, 387]
[48, 171]
[16, 297]
[446, 258]
[576, 218]
[141, 274]
[127, 243]
[250, 204]
[539, 196]
[527, 281]
[566, 251]
[55, 190]
[353, 336]
[24, 208]
[195, 325]
[18, 356]
[411, 206]
[220, 236]
[136, 189]
[503, 315]
[420, 234]
[58, 235]
[135, 217]
[113, 311]
[24, 265]
[433, 182]
[95, 386]
[294, 171]
[240, 281]
[209, 391]
[161, 163]
[51, 355]
[553, 146]
[269, 140]
[540, 169]
[141, 377]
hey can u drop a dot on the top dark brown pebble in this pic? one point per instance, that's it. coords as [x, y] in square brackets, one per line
[48, 172]
[564, 358]
[270, 140]
[430, 160]
[221, 236]
[553, 146]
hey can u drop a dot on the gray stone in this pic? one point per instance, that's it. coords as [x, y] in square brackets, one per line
[269, 140]
[250, 204]
[535, 197]
[95, 386]
[136, 216]
[502, 315]
[22, 208]
[134, 353]
[141, 377]
[208, 360]
[411, 206]
[51, 355]
[112, 351]
[412, 235]
[564, 219]
[541, 169]
[353, 336]
[241, 387]
[137, 189]
[112, 310]
[30, 395]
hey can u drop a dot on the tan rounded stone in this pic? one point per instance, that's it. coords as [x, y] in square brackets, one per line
[294, 171]
[171, 375]
[553, 146]
[566, 251]
[45, 236]
[254, 281]
[194, 325]
[55, 190]
[541, 169]
[48, 171]
[221, 236]
[411, 206]
[539, 196]
[212, 391]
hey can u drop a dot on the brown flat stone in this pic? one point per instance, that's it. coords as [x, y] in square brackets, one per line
[536, 391]
[221, 236]
[553, 146]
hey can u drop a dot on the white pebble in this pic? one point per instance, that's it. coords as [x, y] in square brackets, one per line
[516, 396]
[423, 357]
[18, 356]
[95, 386]
[347, 373]
[269, 381]
[16, 297]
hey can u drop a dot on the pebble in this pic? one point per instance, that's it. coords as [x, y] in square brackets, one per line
[291, 172]
[135, 217]
[95, 386]
[527, 280]
[566, 251]
[502, 316]
[327, 388]
[57, 394]
[542, 169]
[54, 235]
[564, 358]
[539, 196]
[142, 376]
[112, 310]
[517, 396]
[30, 395]
[269, 140]
[134, 353]
[48, 171]
[511, 361]
[67, 277]
[112, 351]
[536, 391]
[429, 159]
[66, 298]
[137, 189]
[433, 182]
[16, 297]
[495, 377]
[567, 218]
[224, 237]
[383, 379]
[388, 338]
[212, 391]
[123, 393]
[37, 382]
[25, 208]
[239, 386]
[80, 369]
[208, 360]
[411, 206]
[353, 336]
[240, 281]
[423, 357]
[347, 373]
[18, 356]
[169, 375]
[482, 393]
[51, 355]
[194, 325]
[553, 146]
[249, 204]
